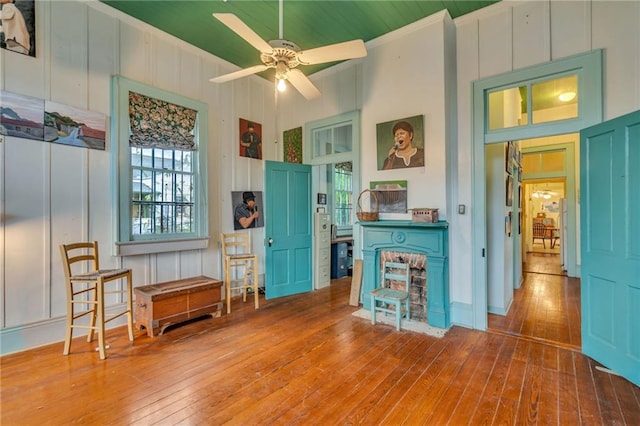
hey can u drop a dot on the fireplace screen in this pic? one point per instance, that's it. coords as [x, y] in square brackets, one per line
[418, 289]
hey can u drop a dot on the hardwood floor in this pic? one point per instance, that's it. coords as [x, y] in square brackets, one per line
[306, 360]
[546, 306]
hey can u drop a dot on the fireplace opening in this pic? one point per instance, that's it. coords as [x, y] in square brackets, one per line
[418, 288]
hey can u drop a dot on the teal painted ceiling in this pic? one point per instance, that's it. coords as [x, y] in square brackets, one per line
[308, 23]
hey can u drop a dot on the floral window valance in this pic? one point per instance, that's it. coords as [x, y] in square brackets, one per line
[159, 124]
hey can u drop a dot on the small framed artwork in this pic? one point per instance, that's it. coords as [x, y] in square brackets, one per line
[507, 224]
[250, 139]
[391, 196]
[22, 116]
[68, 125]
[292, 145]
[519, 196]
[508, 157]
[18, 31]
[322, 198]
[509, 190]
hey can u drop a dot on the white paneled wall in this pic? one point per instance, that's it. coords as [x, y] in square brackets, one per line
[53, 194]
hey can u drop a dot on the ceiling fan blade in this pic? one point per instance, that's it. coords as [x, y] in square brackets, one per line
[237, 74]
[333, 52]
[237, 26]
[303, 84]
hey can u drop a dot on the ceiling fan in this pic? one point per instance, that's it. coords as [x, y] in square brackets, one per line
[284, 56]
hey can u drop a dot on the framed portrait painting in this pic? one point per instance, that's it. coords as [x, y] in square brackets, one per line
[248, 209]
[400, 143]
[250, 139]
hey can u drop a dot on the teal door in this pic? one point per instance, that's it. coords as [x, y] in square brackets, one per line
[288, 229]
[610, 244]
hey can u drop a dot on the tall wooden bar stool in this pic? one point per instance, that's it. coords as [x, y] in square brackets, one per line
[86, 289]
[398, 272]
[236, 253]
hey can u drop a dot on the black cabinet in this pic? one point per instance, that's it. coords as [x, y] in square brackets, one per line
[339, 260]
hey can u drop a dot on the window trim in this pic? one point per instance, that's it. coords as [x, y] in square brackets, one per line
[121, 174]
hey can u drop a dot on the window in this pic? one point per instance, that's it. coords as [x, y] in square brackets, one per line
[343, 194]
[162, 200]
[160, 157]
[529, 102]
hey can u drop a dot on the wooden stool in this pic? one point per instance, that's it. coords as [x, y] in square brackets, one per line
[87, 287]
[236, 253]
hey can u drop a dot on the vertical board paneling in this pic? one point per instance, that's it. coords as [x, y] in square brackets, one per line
[167, 266]
[616, 29]
[26, 221]
[570, 28]
[69, 210]
[102, 60]
[135, 53]
[166, 64]
[191, 82]
[68, 70]
[530, 34]
[495, 44]
[460, 243]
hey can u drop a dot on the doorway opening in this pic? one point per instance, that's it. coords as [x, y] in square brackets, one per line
[544, 301]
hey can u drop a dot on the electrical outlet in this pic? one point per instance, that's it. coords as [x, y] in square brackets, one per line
[460, 208]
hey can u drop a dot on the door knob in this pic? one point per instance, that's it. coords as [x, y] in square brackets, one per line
[270, 241]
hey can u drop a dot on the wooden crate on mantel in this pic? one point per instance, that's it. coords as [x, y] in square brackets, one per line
[160, 305]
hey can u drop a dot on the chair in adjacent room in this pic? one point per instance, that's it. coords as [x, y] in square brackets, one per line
[240, 266]
[386, 296]
[539, 232]
[87, 286]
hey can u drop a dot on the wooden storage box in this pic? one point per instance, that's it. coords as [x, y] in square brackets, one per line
[161, 305]
[424, 215]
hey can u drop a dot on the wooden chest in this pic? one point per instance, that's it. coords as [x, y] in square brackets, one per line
[161, 305]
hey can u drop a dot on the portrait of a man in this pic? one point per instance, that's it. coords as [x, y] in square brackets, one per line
[400, 143]
[250, 139]
[247, 209]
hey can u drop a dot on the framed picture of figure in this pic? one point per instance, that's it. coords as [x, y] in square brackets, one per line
[250, 139]
[400, 143]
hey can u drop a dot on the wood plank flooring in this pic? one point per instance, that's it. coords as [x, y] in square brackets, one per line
[547, 305]
[305, 360]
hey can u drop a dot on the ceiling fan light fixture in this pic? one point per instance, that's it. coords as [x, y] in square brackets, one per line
[282, 86]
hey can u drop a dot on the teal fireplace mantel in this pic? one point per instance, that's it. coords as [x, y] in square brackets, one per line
[430, 239]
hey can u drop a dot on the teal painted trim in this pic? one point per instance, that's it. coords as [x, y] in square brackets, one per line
[588, 66]
[121, 161]
[462, 314]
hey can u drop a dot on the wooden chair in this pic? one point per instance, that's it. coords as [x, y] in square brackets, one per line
[539, 232]
[392, 271]
[236, 253]
[86, 289]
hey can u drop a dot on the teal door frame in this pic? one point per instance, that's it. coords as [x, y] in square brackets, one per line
[588, 67]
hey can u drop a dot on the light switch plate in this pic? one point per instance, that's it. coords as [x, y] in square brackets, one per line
[460, 208]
